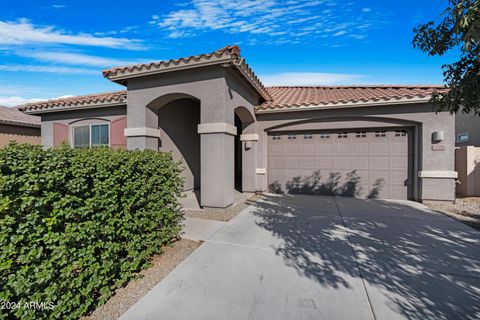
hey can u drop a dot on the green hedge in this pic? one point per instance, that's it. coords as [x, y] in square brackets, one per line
[77, 224]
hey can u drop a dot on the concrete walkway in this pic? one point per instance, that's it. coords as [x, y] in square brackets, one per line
[200, 229]
[310, 257]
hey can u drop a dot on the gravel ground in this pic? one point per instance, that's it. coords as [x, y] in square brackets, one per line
[466, 210]
[125, 297]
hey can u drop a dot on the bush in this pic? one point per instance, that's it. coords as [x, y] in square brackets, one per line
[77, 224]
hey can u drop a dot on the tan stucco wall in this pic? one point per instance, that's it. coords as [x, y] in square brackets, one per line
[220, 91]
[468, 123]
[19, 134]
[467, 164]
[178, 122]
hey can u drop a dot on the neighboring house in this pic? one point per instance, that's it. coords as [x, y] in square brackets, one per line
[232, 132]
[467, 129]
[18, 126]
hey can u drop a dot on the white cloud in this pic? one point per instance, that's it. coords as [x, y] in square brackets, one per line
[270, 21]
[75, 58]
[366, 10]
[339, 33]
[65, 96]
[23, 32]
[15, 101]
[58, 6]
[46, 69]
[310, 79]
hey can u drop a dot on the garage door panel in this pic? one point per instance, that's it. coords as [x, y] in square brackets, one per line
[398, 177]
[291, 162]
[308, 162]
[379, 162]
[399, 162]
[324, 162]
[276, 162]
[275, 175]
[288, 174]
[398, 192]
[324, 148]
[307, 174]
[364, 176]
[291, 149]
[379, 148]
[276, 149]
[308, 149]
[371, 163]
[342, 162]
[360, 148]
[399, 147]
[342, 148]
[360, 162]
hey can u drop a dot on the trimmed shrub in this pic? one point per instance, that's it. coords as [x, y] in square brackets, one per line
[77, 224]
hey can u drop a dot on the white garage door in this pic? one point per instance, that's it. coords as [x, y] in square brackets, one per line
[364, 163]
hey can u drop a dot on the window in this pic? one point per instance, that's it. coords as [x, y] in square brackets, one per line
[463, 137]
[324, 135]
[81, 137]
[342, 135]
[276, 137]
[379, 134]
[292, 136]
[361, 134]
[94, 135]
[307, 136]
[99, 135]
[400, 133]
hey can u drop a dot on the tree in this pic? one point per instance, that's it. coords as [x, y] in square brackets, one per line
[459, 29]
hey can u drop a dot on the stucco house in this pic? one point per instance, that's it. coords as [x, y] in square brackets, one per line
[18, 126]
[233, 133]
[467, 129]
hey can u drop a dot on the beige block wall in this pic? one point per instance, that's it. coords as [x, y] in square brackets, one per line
[19, 134]
[467, 164]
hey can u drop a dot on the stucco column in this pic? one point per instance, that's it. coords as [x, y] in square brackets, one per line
[249, 152]
[216, 164]
[142, 125]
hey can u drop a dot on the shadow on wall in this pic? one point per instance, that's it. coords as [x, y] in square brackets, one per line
[333, 186]
[415, 263]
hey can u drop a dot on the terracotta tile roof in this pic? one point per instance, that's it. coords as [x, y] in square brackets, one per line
[112, 73]
[100, 99]
[228, 54]
[286, 98]
[16, 117]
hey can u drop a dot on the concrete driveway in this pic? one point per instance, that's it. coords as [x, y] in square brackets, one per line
[311, 257]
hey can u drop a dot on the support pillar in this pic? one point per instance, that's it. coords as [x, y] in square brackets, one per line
[217, 164]
[249, 156]
[142, 126]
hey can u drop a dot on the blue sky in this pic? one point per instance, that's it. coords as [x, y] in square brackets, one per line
[50, 49]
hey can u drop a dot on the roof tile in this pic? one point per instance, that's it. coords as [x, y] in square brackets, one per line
[16, 117]
[96, 99]
[234, 51]
[294, 97]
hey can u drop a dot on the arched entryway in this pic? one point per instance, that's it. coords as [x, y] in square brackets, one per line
[244, 121]
[178, 119]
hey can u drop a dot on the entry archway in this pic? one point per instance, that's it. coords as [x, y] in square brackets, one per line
[178, 119]
[245, 123]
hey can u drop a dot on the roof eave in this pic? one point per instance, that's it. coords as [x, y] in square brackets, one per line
[75, 107]
[241, 68]
[121, 79]
[20, 123]
[328, 106]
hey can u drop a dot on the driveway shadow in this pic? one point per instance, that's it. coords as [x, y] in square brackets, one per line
[415, 264]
